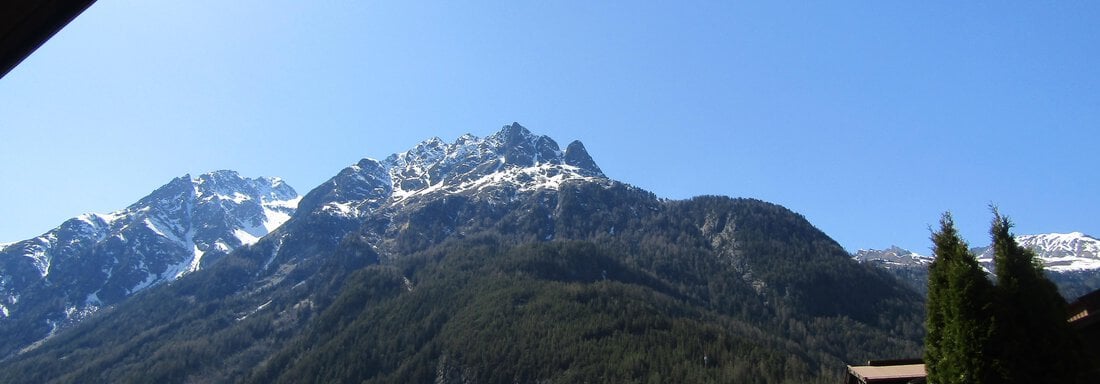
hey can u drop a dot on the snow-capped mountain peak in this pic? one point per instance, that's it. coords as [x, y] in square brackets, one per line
[159, 238]
[228, 185]
[511, 158]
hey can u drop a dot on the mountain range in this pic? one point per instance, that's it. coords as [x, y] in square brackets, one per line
[1071, 260]
[498, 259]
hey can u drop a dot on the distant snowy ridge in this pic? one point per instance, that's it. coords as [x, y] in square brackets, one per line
[104, 258]
[893, 257]
[1060, 252]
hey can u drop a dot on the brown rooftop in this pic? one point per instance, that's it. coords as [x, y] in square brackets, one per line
[885, 374]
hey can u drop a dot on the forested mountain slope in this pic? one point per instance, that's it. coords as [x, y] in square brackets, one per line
[533, 268]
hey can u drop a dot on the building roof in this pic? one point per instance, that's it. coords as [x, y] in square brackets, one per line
[873, 374]
[1085, 311]
[27, 24]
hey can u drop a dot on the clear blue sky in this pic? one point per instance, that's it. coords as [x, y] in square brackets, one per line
[869, 118]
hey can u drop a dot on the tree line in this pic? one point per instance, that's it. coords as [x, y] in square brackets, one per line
[1009, 329]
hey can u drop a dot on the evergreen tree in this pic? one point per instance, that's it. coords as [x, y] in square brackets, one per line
[934, 348]
[959, 307]
[1034, 341]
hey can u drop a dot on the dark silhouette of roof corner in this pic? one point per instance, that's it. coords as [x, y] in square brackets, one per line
[27, 24]
[1084, 318]
[1085, 311]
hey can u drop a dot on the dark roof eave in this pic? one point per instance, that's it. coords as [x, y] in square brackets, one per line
[27, 24]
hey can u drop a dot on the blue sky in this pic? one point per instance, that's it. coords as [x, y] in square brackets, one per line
[869, 118]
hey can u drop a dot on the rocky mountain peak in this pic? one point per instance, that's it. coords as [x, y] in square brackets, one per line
[227, 184]
[517, 146]
[168, 195]
[577, 156]
[512, 157]
[100, 259]
[512, 135]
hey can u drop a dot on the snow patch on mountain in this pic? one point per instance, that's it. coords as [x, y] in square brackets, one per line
[38, 250]
[539, 177]
[345, 209]
[275, 213]
[168, 234]
[97, 222]
[246, 237]
[195, 261]
[278, 212]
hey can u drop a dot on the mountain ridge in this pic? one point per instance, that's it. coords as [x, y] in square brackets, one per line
[501, 167]
[1071, 260]
[892, 257]
[487, 243]
[511, 156]
[1059, 252]
[96, 260]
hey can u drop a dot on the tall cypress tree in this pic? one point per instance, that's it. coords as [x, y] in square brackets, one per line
[936, 312]
[960, 312]
[1033, 338]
